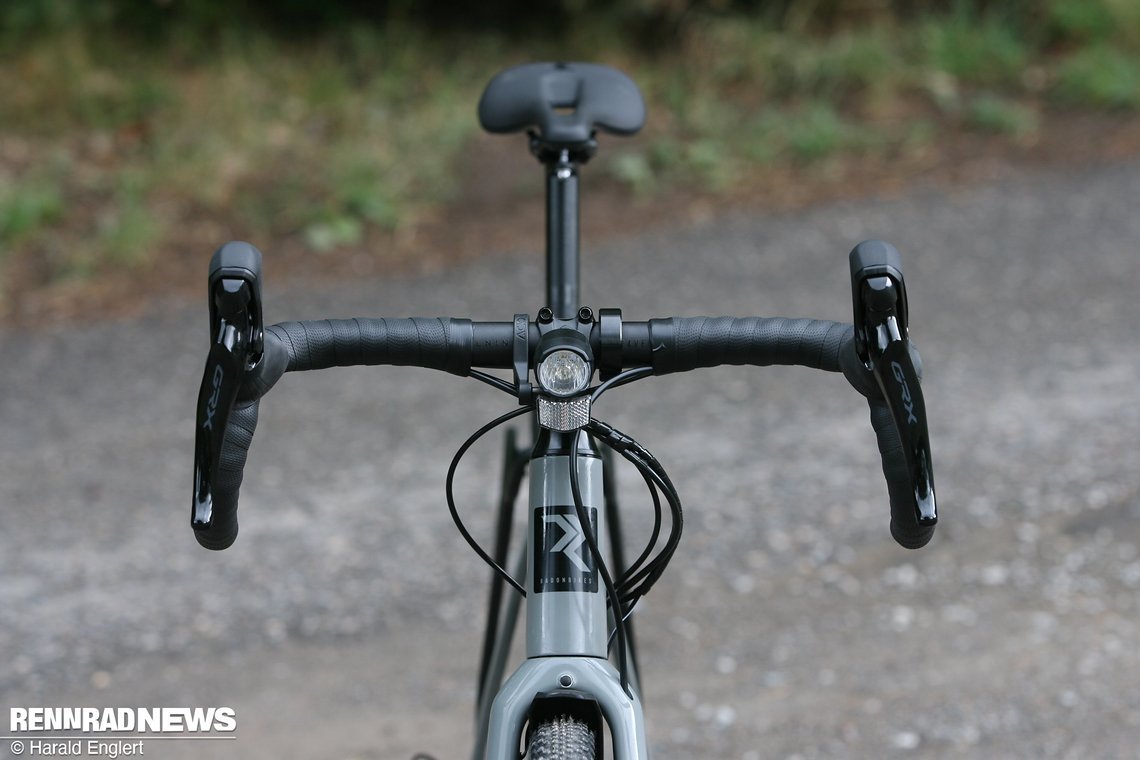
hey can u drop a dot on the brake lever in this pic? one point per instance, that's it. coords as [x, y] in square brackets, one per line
[237, 344]
[883, 345]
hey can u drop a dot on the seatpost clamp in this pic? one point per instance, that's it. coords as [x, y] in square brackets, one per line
[556, 153]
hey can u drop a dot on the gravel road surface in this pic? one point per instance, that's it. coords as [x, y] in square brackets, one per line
[345, 621]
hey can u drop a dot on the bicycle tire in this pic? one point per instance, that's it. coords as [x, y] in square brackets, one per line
[562, 738]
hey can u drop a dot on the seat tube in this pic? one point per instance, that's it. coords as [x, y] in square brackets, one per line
[566, 601]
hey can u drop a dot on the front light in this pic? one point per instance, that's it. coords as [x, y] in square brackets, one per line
[564, 373]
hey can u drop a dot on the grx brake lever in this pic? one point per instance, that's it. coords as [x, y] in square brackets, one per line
[882, 343]
[237, 341]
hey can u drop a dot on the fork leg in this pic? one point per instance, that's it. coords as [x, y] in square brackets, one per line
[542, 675]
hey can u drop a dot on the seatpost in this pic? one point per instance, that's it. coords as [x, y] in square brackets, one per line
[562, 260]
[562, 220]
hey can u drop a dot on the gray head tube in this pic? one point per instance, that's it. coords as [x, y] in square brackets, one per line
[566, 601]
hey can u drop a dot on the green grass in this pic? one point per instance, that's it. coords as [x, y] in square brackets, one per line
[992, 113]
[26, 208]
[978, 50]
[120, 148]
[1101, 75]
[317, 142]
[802, 135]
[1085, 22]
[32, 200]
[127, 229]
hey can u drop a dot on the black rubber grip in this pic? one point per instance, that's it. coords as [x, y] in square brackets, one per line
[223, 528]
[679, 344]
[435, 343]
[905, 527]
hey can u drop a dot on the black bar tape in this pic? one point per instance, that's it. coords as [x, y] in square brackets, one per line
[435, 343]
[679, 344]
[223, 528]
[905, 527]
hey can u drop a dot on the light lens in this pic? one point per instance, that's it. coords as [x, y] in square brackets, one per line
[563, 373]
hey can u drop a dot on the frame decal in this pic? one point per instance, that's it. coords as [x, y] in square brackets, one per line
[562, 559]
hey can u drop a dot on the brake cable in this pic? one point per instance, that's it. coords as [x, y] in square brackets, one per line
[639, 577]
[449, 490]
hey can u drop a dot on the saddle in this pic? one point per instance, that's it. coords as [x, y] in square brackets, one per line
[563, 102]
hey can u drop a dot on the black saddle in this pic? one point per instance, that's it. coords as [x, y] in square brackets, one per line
[564, 102]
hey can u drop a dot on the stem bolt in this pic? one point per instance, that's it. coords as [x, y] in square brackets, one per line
[585, 315]
[545, 315]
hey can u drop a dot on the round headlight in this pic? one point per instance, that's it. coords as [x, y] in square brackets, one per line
[564, 373]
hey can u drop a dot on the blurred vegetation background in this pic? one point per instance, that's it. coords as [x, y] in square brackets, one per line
[136, 134]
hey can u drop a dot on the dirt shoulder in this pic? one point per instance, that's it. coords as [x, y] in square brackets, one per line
[499, 207]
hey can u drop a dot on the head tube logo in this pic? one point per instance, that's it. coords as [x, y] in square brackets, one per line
[563, 561]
